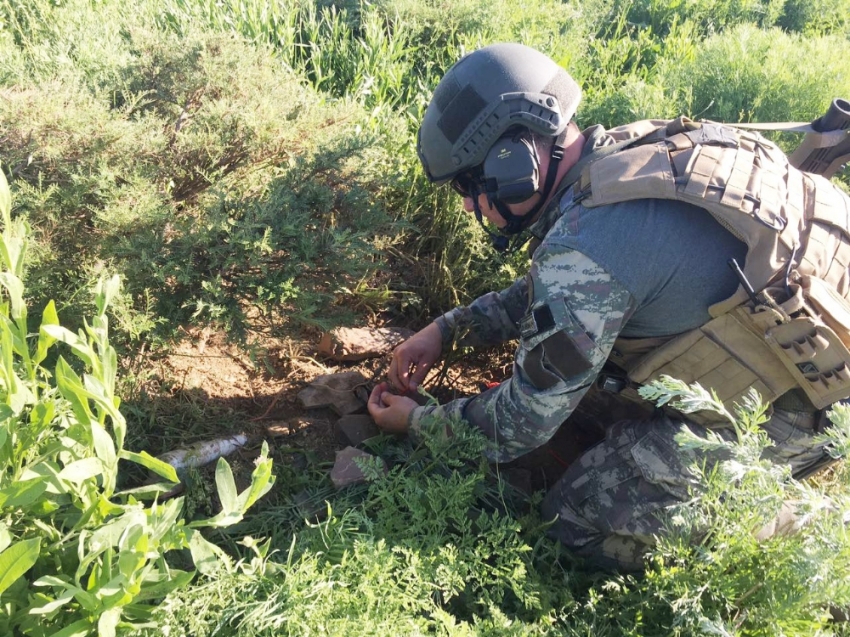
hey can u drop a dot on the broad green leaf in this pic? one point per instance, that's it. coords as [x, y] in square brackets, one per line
[149, 462]
[107, 509]
[261, 481]
[45, 340]
[52, 580]
[207, 556]
[15, 288]
[19, 341]
[233, 507]
[17, 393]
[43, 508]
[226, 486]
[218, 521]
[108, 621]
[130, 562]
[80, 628]
[6, 250]
[81, 470]
[14, 244]
[55, 605]
[98, 393]
[167, 523]
[88, 601]
[79, 345]
[148, 491]
[5, 201]
[109, 369]
[23, 492]
[72, 390]
[164, 584]
[104, 446]
[5, 538]
[119, 425]
[48, 470]
[110, 533]
[42, 415]
[17, 560]
[105, 291]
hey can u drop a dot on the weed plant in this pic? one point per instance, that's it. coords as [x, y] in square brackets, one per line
[251, 164]
[442, 545]
[78, 556]
[214, 198]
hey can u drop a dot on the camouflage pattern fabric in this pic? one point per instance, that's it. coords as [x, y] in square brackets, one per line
[490, 320]
[608, 506]
[588, 308]
[567, 313]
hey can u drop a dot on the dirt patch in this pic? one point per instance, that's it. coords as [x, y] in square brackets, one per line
[205, 387]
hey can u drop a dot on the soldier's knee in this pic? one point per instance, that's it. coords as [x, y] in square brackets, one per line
[593, 539]
[606, 506]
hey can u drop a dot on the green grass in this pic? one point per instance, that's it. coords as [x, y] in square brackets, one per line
[442, 546]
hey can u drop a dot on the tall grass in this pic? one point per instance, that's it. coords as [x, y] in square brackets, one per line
[137, 71]
[635, 59]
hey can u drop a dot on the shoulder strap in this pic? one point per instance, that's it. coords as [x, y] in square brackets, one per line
[594, 152]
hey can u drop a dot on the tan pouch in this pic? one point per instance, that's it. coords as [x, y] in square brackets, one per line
[813, 345]
[725, 355]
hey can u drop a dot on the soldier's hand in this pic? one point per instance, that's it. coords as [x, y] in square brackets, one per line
[413, 359]
[390, 411]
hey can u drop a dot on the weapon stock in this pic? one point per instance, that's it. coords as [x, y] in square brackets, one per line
[826, 149]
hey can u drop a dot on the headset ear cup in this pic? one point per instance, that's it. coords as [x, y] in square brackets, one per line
[512, 168]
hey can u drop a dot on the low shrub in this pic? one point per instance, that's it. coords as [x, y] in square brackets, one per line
[207, 176]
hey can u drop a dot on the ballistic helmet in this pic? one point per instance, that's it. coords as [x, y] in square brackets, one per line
[483, 95]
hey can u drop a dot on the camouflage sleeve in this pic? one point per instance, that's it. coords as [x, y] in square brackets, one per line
[489, 320]
[576, 313]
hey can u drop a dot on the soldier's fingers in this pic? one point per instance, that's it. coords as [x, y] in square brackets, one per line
[376, 404]
[419, 374]
[402, 371]
[393, 374]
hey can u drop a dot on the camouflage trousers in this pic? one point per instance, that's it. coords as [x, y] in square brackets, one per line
[608, 500]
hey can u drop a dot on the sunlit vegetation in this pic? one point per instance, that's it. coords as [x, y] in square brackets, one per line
[249, 166]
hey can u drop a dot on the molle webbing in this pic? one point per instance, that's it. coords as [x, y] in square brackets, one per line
[795, 225]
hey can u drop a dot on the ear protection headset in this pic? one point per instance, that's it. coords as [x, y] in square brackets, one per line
[510, 174]
[511, 169]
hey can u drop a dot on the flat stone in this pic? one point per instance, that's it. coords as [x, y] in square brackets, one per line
[355, 428]
[346, 471]
[360, 343]
[335, 391]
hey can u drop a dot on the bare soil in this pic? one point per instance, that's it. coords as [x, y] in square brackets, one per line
[205, 387]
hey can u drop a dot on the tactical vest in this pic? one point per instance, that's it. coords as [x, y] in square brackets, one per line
[788, 325]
